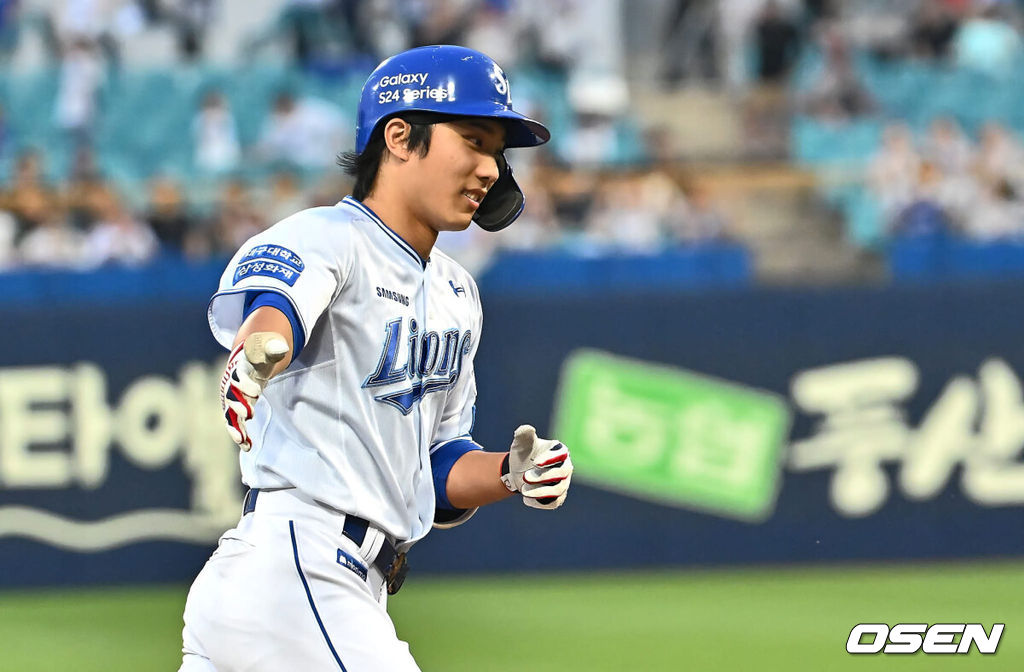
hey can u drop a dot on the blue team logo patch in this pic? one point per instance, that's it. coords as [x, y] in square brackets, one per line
[275, 253]
[272, 269]
[347, 561]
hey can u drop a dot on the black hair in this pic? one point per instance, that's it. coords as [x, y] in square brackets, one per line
[365, 166]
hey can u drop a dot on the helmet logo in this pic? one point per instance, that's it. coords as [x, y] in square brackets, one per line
[500, 81]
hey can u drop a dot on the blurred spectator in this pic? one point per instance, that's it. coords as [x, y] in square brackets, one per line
[318, 30]
[947, 146]
[572, 196]
[9, 28]
[355, 16]
[932, 28]
[736, 23]
[492, 32]
[215, 139]
[190, 18]
[986, 41]
[27, 190]
[118, 236]
[81, 76]
[702, 220]
[820, 9]
[285, 196]
[997, 214]
[778, 43]
[168, 215]
[89, 22]
[623, 218]
[689, 43]
[236, 219]
[28, 170]
[306, 133]
[893, 170]
[445, 23]
[599, 102]
[1000, 157]
[555, 32]
[385, 36]
[925, 214]
[838, 94]
[8, 249]
[328, 189]
[80, 191]
[766, 110]
[51, 242]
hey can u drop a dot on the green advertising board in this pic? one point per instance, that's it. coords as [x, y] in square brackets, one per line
[669, 435]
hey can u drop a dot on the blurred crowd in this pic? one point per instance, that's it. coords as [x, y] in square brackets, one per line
[87, 222]
[85, 218]
[943, 183]
[784, 57]
[89, 41]
[982, 36]
[601, 185]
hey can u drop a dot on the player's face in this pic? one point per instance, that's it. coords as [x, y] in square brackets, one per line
[458, 170]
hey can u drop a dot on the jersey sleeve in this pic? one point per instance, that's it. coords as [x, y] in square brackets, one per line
[299, 258]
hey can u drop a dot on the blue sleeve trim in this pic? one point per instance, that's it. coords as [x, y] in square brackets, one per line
[256, 299]
[441, 462]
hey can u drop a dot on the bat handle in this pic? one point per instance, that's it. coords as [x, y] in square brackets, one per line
[264, 349]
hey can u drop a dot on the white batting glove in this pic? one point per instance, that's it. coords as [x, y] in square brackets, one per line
[538, 469]
[248, 370]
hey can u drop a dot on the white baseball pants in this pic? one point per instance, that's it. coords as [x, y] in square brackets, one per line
[284, 591]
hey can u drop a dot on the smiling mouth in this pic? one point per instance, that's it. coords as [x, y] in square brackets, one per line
[474, 197]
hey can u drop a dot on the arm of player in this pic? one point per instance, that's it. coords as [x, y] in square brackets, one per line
[264, 319]
[538, 469]
[262, 348]
[475, 480]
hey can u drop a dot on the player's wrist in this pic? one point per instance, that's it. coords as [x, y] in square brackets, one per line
[505, 474]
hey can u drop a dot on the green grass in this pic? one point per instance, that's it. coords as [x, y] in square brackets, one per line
[770, 619]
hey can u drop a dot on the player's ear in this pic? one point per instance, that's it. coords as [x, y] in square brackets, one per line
[396, 137]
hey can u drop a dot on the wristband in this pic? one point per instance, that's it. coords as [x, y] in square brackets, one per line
[504, 474]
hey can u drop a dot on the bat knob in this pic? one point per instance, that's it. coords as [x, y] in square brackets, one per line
[264, 349]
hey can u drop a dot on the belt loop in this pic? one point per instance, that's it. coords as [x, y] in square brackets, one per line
[249, 504]
[371, 545]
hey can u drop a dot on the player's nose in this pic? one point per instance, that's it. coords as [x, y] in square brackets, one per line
[487, 171]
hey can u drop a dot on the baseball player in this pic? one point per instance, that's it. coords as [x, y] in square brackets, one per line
[350, 386]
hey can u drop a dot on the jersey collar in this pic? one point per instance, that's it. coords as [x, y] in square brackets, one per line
[397, 239]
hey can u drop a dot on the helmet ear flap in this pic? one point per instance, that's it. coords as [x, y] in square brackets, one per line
[504, 201]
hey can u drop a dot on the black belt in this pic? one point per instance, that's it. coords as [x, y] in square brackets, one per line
[389, 561]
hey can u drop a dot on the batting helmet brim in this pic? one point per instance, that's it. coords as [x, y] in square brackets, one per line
[520, 130]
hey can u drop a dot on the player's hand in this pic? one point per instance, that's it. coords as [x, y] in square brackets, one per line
[249, 368]
[538, 469]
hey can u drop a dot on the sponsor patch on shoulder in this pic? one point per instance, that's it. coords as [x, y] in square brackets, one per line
[272, 269]
[274, 253]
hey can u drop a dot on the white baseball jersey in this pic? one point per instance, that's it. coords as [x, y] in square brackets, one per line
[386, 372]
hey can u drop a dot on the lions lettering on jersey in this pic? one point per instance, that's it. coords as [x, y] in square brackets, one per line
[433, 363]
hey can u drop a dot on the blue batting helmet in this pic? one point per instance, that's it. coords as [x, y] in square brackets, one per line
[458, 82]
